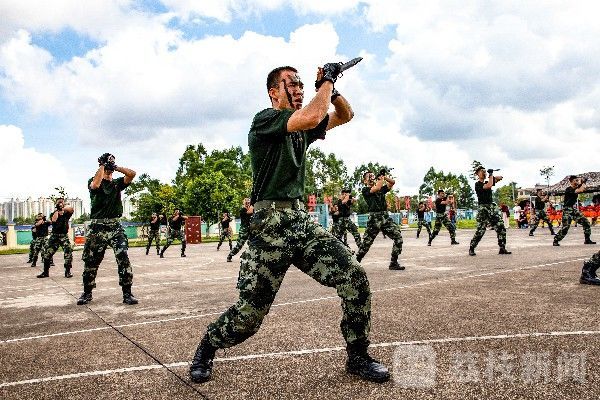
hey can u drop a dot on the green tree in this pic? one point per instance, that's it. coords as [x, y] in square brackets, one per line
[504, 194]
[209, 195]
[546, 173]
[3, 221]
[325, 174]
[458, 185]
[82, 218]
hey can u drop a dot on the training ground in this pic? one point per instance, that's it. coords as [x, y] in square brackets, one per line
[450, 326]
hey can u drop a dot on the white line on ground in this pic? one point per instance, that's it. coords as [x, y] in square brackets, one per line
[420, 284]
[300, 353]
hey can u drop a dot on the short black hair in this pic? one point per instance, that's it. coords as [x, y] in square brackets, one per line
[421, 203]
[572, 178]
[440, 191]
[274, 75]
[365, 173]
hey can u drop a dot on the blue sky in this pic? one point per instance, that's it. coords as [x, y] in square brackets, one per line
[507, 83]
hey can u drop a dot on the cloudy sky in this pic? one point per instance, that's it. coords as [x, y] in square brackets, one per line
[514, 84]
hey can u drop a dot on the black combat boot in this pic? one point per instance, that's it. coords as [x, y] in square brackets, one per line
[454, 242]
[588, 240]
[530, 233]
[52, 262]
[555, 242]
[46, 271]
[229, 258]
[162, 253]
[85, 297]
[504, 251]
[360, 363]
[158, 252]
[418, 234]
[202, 363]
[588, 274]
[68, 271]
[472, 251]
[147, 250]
[128, 297]
[395, 265]
[34, 261]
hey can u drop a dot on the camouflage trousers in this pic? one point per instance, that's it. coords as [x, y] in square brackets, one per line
[422, 223]
[102, 234]
[225, 233]
[593, 263]
[173, 235]
[344, 225]
[242, 238]
[540, 215]
[277, 239]
[31, 247]
[442, 218]
[56, 240]
[572, 214]
[489, 214]
[153, 236]
[381, 221]
[38, 246]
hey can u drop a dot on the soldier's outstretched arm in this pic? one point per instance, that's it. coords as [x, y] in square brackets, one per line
[314, 112]
[342, 113]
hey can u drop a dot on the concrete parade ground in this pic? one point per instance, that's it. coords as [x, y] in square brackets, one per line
[450, 326]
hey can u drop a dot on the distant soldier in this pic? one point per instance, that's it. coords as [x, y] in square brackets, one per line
[421, 222]
[59, 238]
[105, 229]
[154, 233]
[441, 218]
[345, 224]
[487, 212]
[540, 212]
[379, 220]
[32, 243]
[334, 212]
[40, 228]
[176, 222]
[245, 215]
[588, 272]
[225, 230]
[572, 213]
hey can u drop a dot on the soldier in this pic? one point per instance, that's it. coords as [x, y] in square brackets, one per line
[282, 232]
[421, 210]
[540, 212]
[60, 227]
[176, 222]
[571, 213]
[345, 224]
[441, 218]
[588, 272]
[225, 230]
[487, 212]
[41, 235]
[245, 214]
[334, 212]
[105, 229]
[32, 243]
[379, 220]
[154, 233]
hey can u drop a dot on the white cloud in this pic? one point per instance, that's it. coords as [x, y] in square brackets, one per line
[28, 172]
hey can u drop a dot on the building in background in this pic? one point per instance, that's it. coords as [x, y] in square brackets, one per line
[15, 208]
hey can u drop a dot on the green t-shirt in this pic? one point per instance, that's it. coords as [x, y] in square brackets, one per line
[375, 201]
[278, 157]
[106, 200]
[484, 196]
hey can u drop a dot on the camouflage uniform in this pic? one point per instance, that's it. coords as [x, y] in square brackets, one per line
[225, 234]
[153, 235]
[105, 233]
[380, 221]
[280, 237]
[282, 233]
[345, 224]
[242, 238]
[489, 214]
[59, 238]
[573, 214]
[175, 234]
[32, 243]
[442, 218]
[422, 223]
[540, 215]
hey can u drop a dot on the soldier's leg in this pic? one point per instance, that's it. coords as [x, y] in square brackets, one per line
[498, 224]
[482, 221]
[451, 229]
[242, 237]
[221, 238]
[38, 246]
[436, 229]
[587, 228]
[368, 238]
[150, 238]
[93, 254]
[330, 263]
[392, 230]
[120, 246]
[566, 224]
[419, 226]
[588, 272]
[169, 242]
[52, 245]
[355, 234]
[547, 220]
[229, 238]
[535, 224]
[68, 254]
[31, 249]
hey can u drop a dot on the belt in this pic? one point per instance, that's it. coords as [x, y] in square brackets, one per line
[104, 220]
[279, 204]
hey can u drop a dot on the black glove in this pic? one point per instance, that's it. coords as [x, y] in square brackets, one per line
[382, 172]
[330, 73]
[490, 172]
[103, 159]
[110, 165]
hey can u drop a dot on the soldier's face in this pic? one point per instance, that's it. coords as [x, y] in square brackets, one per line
[369, 178]
[294, 86]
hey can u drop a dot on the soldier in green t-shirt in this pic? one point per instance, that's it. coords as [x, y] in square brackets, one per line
[282, 233]
[105, 229]
[379, 220]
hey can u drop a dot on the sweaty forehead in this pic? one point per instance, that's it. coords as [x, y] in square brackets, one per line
[291, 76]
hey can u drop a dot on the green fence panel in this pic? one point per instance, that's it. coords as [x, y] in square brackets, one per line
[131, 232]
[24, 237]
